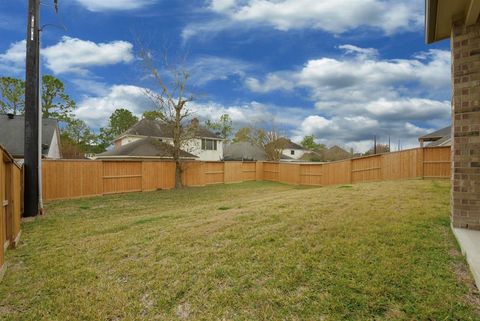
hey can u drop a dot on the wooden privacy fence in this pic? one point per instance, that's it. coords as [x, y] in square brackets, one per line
[10, 204]
[66, 179]
[413, 163]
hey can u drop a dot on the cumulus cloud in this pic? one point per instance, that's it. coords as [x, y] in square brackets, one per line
[357, 131]
[360, 95]
[70, 55]
[96, 110]
[360, 75]
[13, 60]
[332, 16]
[73, 55]
[114, 5]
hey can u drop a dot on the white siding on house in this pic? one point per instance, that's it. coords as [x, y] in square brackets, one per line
[294, 153]
[54, 149]
[193, 147]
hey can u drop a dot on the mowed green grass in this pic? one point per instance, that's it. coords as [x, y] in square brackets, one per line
[251, 251]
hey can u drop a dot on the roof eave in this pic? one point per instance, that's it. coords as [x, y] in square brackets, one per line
[431, 9]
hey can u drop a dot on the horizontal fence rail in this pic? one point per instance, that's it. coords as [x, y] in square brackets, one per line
[64, 179]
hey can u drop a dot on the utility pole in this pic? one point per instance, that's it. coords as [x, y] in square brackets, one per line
[375, 145]
[389, 144]
[32, 81]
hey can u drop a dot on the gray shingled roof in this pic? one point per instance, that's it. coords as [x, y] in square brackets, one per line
[154, 128]
[145, 147]
[291, 145]
[444, 141]
[12, 133]
[243, 151]
[437, 134]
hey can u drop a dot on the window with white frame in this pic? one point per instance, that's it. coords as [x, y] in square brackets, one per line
[209, 144]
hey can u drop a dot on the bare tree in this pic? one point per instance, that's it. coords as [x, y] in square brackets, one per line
[170, 99]
[269, 139]
[272, 143]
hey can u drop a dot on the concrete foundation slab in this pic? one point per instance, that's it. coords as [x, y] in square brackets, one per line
[469, 241]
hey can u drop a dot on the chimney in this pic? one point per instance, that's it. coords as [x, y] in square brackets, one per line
[195, 122]
[11, 116]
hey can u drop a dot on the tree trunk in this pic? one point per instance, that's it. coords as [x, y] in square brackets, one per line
[178, 175]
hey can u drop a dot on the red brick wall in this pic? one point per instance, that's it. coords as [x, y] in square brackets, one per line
[466, 126]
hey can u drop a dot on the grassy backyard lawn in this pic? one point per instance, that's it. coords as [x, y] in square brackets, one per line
[252, 251]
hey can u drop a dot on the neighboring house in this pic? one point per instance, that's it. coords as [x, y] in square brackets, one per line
[336, 153]
[291, 149]
[246, 151]
[12, 136]
[442, 137]
[144, 148]
[243, 151]
[206, 145]
[332, 154]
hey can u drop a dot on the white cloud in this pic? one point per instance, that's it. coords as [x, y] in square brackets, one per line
[96, 110]
[362, 53]
[337, 16]
[408, 108]
[360, 77]
[357, 132]
[272, 82]
[13, 60]
[90, 86]
[222, 5]
[209, 68]
[72, 55]
[114, 5]
[360, 95]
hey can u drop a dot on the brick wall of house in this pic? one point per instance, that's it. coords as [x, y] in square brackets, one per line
[466, 126]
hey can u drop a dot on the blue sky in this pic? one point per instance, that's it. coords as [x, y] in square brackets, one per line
[341, 70]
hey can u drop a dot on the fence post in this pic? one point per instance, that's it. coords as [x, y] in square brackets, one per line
[259, 176]
[421, 163]
[351, 171]
[2, 214]
[298, 178]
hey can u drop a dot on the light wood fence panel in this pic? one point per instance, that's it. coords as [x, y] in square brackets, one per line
[367, 169]
[122, 177]
[11, 181]
[193, 174]
[158, 175]
[3, 212]
[259, 167]
[311, 174]
[17, 204]
[233, 172]
[437, 162]
[71, 179]
[270, 171]
[214, 173]
[400, 165]
[289, 173]
[249, 171]
[337, 173]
